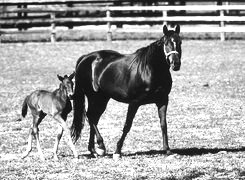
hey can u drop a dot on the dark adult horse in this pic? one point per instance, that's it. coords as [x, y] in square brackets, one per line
[137, 79]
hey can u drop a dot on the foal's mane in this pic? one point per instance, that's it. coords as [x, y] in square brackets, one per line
[56, 92]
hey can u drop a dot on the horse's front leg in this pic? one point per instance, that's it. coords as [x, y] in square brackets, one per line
[162, 112]
[132, 109]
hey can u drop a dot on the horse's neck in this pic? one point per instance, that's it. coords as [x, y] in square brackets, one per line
[61, 93]
[154, 56]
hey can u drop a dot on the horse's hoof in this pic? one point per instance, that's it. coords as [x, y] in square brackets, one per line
[116, 156]
[167, 152]
[100, 152]
[93, 154]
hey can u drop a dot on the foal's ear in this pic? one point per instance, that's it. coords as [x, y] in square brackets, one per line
[60, 77]
[165, 30]
[177, 29]
[72, 75]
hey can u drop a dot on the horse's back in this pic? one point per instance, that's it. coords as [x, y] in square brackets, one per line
[90, 66]
[106, 55]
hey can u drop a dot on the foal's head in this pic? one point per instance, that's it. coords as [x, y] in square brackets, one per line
[67, 84]
[172, 47]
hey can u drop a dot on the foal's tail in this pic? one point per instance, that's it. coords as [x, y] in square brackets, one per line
[79, 114]
[24, 109]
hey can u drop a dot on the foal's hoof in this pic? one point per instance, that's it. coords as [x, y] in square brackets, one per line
[100, 152]
[116, 157]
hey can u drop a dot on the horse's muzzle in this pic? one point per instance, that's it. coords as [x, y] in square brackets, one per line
[174, 62]
[175, 67]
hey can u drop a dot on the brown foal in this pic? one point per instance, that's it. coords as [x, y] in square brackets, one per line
[58, 105]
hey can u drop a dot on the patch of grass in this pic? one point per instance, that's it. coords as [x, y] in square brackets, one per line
[205, 123]
[98, 35]
[193, 175]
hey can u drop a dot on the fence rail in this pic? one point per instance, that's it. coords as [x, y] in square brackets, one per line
[219, 16]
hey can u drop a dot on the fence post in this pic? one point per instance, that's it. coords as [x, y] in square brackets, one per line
[164, 15]
[19, 6]
[222, 25]
[109, 34]
[53, 31]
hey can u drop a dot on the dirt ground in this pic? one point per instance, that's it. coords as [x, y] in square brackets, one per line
[206, 116]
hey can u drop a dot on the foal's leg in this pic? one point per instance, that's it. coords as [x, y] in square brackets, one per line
[36, 134]
[162, 112]
[29, 145]
[37, 119]
[132, 109]
[68, 134]
[64, 114]
[96, 107]
[60, 132]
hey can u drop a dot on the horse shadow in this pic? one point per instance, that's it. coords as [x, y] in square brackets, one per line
[181, 152]
[188, 151]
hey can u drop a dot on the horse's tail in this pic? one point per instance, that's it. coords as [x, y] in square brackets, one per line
[79, 113]
[24, 109]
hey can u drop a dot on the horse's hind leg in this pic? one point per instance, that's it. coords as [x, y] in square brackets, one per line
[62, 123]
[96, 107]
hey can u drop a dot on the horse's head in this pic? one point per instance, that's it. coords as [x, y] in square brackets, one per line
[67, 84]
[172, 47]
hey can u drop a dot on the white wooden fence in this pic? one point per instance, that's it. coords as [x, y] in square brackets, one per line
[220, 18]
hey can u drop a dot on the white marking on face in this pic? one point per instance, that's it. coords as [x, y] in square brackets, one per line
[174, 42]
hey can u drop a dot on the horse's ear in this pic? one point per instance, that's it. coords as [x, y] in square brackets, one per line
[72, 75]
[177, 29]
[60, 77]
[165, 30]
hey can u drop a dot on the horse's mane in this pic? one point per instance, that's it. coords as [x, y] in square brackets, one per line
[144, 55]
